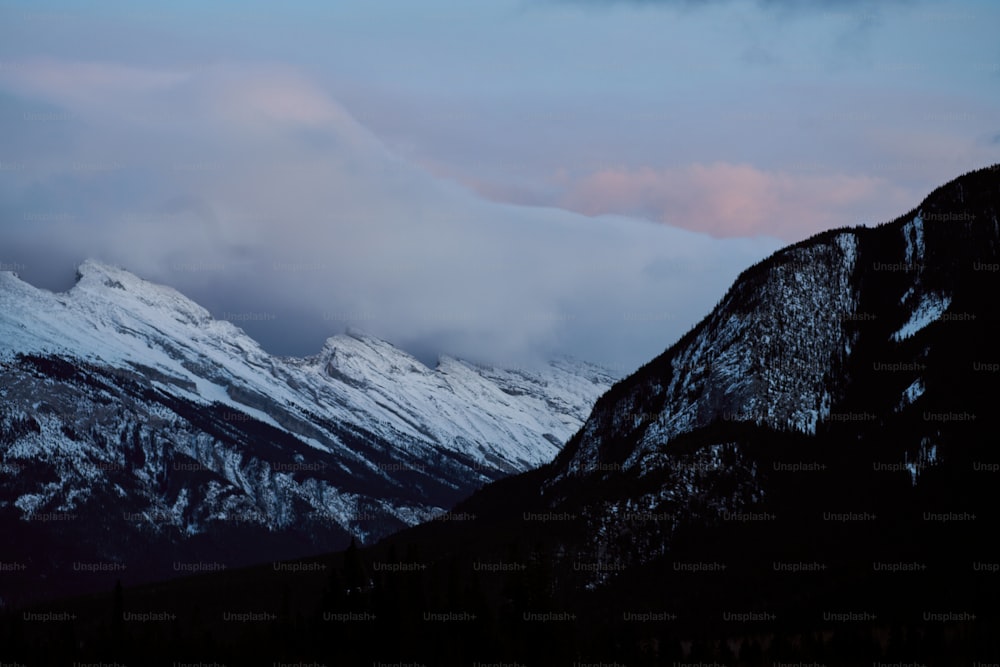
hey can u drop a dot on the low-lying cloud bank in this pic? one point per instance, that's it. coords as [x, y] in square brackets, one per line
[252, 191]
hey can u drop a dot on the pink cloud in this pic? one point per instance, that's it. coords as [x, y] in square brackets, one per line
[724, 199]
[272, 94]
[259, 94]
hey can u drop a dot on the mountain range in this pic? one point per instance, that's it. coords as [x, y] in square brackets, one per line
[138, 431]
[808, 474]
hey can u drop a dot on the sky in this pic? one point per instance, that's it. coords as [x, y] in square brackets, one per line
[504, 181]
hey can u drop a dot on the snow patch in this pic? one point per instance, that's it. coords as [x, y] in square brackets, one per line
[913, 233]
[849, 246]
[930, 308]
[911, 394]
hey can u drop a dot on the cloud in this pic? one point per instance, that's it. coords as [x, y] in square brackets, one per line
[251, 190]
[727, 199]
[792, 5]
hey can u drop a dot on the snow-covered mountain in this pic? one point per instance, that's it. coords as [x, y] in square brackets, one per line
[123, 396]
[763, 355]
[850, 371]
[856, 335]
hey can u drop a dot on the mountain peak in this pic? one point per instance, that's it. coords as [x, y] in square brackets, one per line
[91, 270]
[356, 356]
[357, 333]
[100, 283]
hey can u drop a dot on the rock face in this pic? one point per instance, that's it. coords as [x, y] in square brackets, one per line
[136, 429]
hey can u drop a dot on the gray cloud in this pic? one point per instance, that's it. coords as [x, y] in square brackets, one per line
[257, 195]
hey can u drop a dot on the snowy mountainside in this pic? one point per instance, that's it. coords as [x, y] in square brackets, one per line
[123, 393]
[113, 318]
[742, 363]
